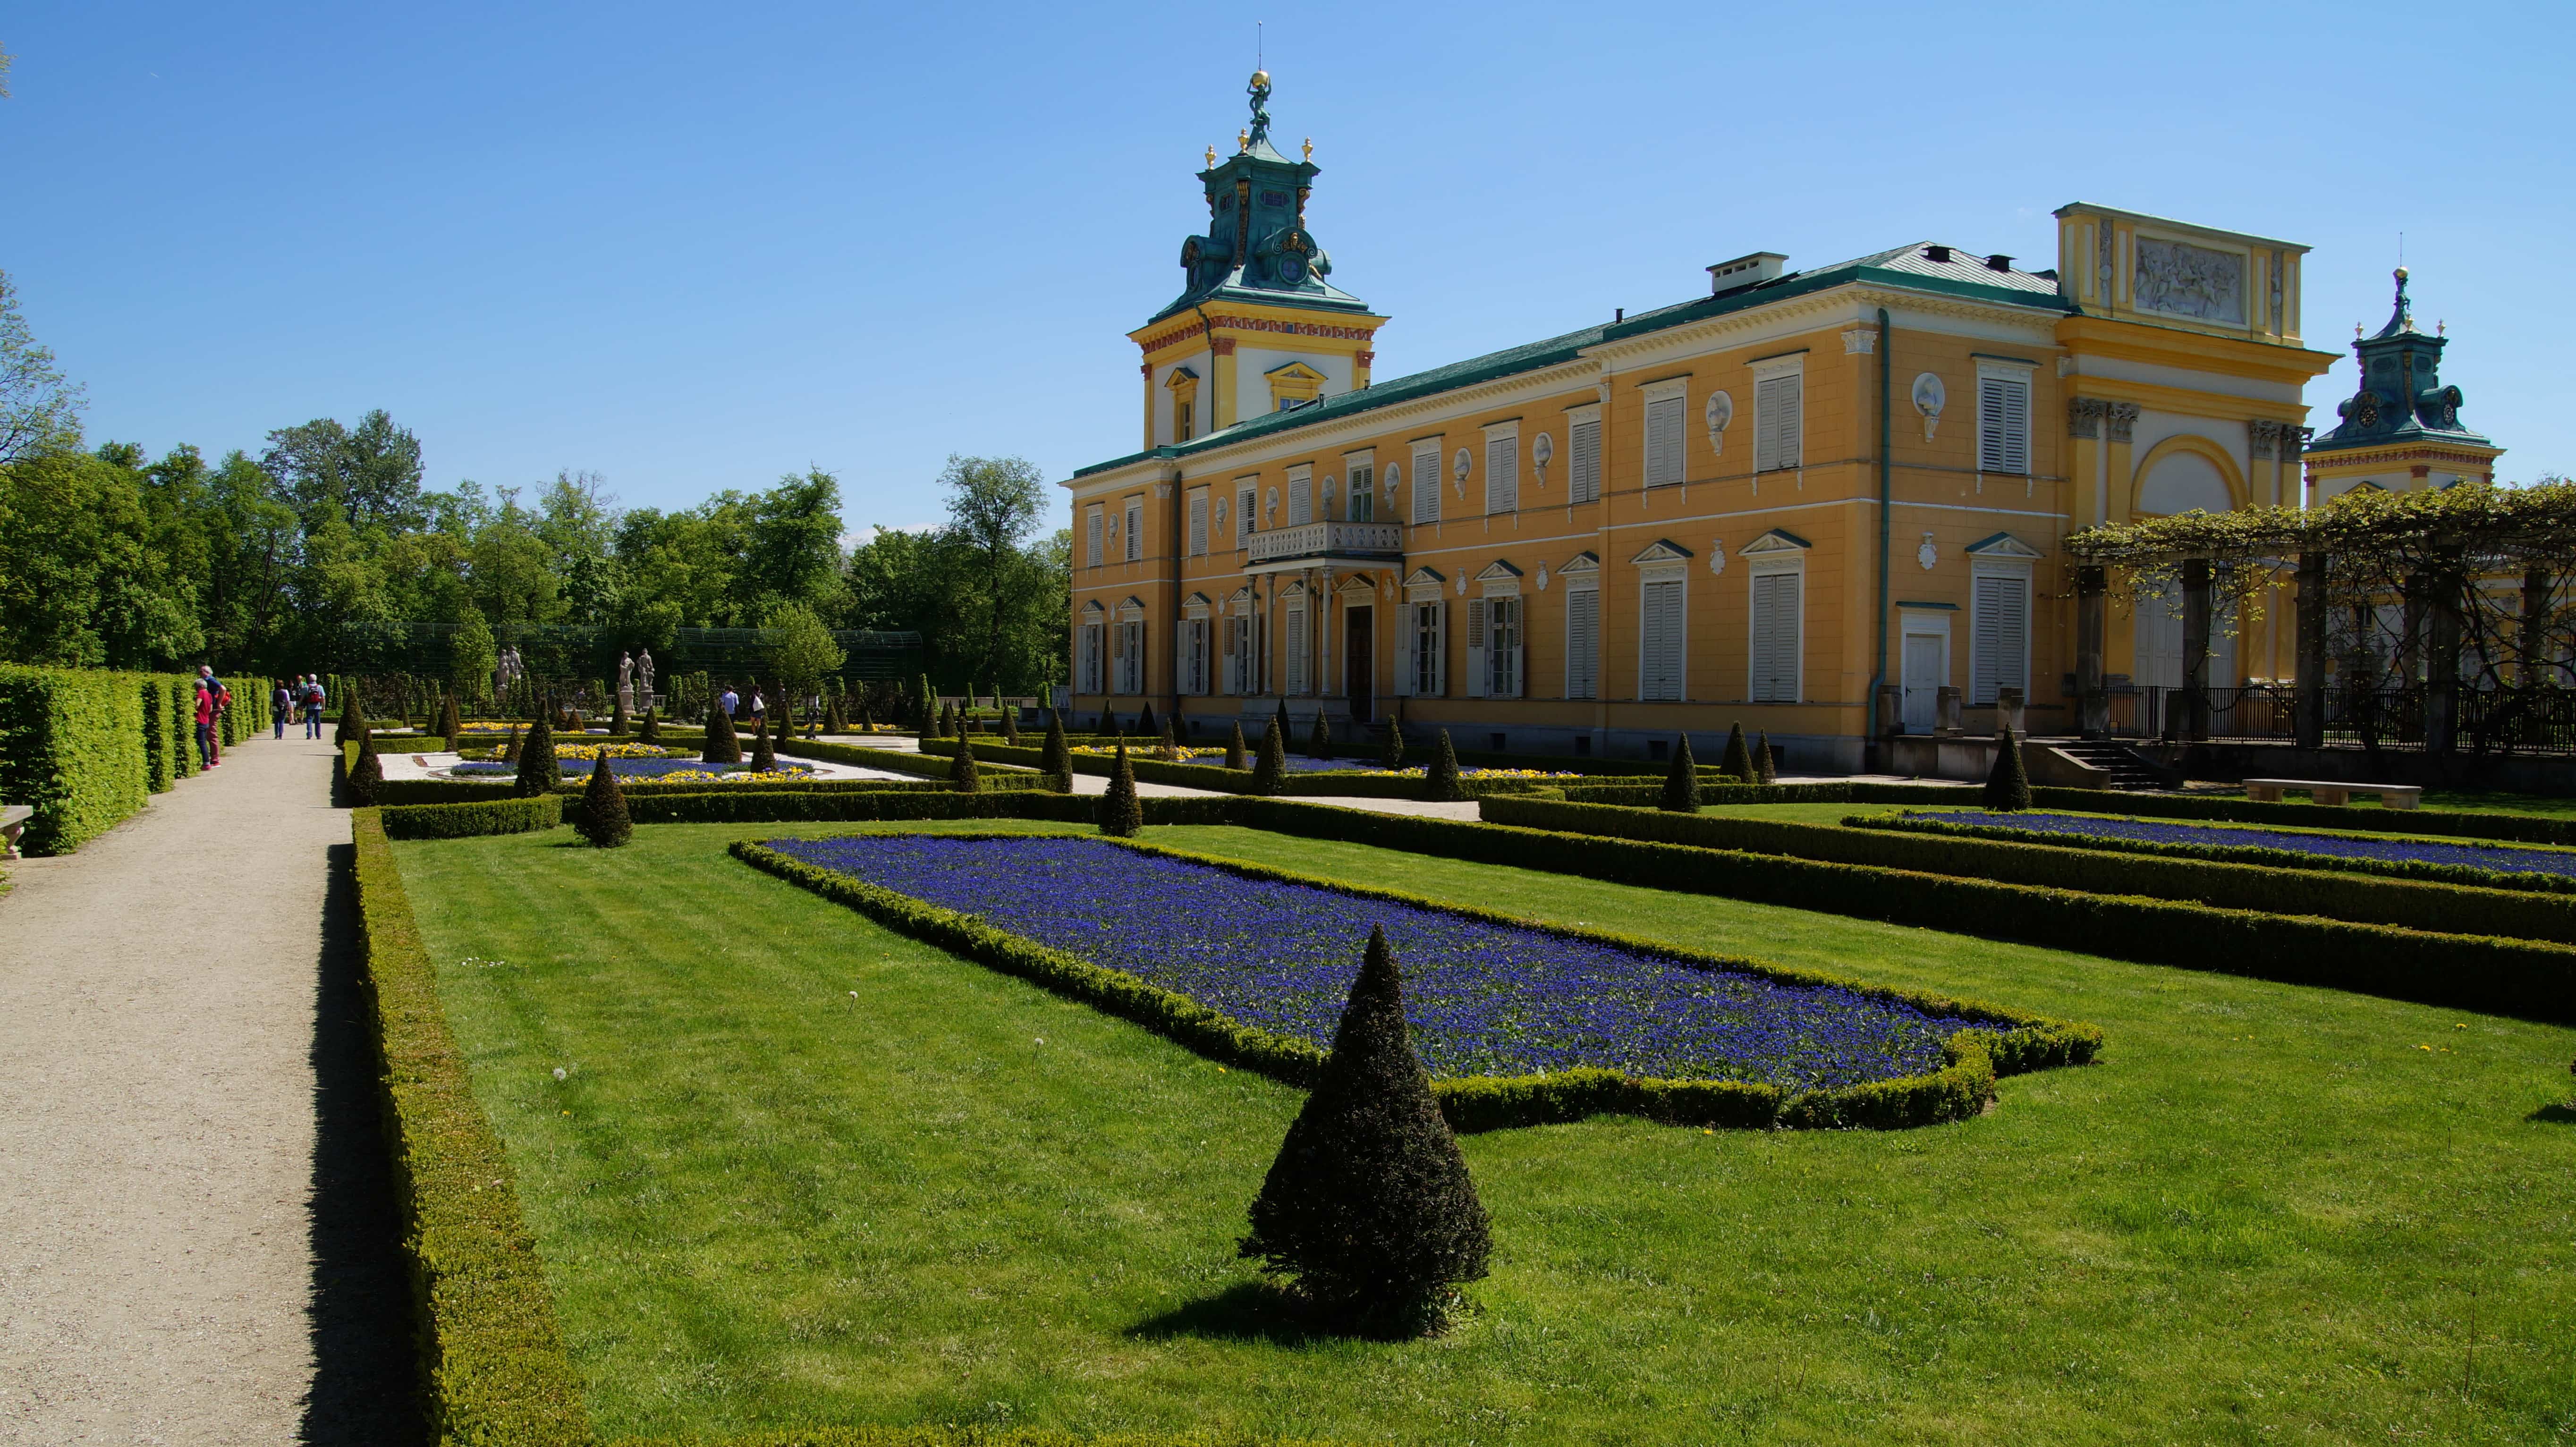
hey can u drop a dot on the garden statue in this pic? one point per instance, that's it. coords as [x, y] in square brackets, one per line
[644, 675]
[626, 682]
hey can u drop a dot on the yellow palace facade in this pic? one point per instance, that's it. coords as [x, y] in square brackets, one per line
[1823, 502]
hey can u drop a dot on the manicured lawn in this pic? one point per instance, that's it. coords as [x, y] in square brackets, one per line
[802, 1170]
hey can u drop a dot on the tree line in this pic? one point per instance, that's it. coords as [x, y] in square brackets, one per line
[327, 544]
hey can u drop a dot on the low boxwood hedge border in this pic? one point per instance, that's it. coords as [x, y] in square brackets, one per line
[2410, 904]
[2525, 978]
[407, 792]
[494, 1369]
[1648, 795]
[2460, 874]
[1961, 1088]
[462, 821]
[1217, 779]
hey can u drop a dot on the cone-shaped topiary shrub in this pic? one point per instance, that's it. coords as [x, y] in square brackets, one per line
[367, 775]
[1145, 721]
[1319, 739]
[1011, 726]
[1737, 762]
[764, 750]
[604, 820]
[866, 722]
[1369, 1208]
[451, 724]
[538, 772]
[1392, 755]
[961, 768]
[1165, 746]
[2008, 787]
[1121, 814]
[353, 719]
[1681, 781]
[1055, 756]
[1234, 749]
[833, 721]
[1440, 780]
[510, 746]
[1766, 769]
[723, 745]
[1287, 730]
[649, 731]
[619, 721]
[1270, 771]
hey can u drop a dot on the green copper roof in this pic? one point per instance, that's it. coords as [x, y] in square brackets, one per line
[2401, 398]
[1257, 247]
[1911, 267]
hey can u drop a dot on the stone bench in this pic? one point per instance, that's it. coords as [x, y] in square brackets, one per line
[13, 818]
[2393, 796]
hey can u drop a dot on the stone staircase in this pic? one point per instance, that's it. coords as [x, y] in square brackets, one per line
[2127, 769]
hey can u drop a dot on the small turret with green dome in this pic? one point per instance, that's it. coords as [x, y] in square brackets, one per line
[1257, 247]
[2402, 397]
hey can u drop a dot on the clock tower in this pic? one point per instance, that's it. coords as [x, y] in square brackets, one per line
[1257, 327]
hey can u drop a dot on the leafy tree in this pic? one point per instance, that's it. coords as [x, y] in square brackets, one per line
[472, 655]
[604, 819]
[1681, 781]
[803, 650]
[40, 410]
[1369, 1208]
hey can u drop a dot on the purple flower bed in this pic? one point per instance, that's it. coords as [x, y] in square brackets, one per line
[624, 768]
[2474, 856]
[1483, 998]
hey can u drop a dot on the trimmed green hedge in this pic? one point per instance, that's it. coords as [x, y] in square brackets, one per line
[1726, 791]
[408, 792]
[460, 821]
[2441, 908]
[2515, 977]
[72, 744]
[2462, 874]
[1219, 780]
[1960, 1089]
[762, 806]
[492, 1357]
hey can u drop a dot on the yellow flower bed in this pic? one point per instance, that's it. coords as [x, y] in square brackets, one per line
[588, 752]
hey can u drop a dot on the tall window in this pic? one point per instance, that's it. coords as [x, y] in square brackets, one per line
[1184, 416]
[1582, 641]
[1776, 422]
[1244, 502]
[1664, 460]
[1238, 654]
[1087, 658]
[1999, 650]
[1776, 635]
[1426, 623]
[1503, 472]
[1659, 638]
[1296, 645]
[1135, 528]
[1194, 655]
[1363, 495]
[1131, 656]
[1199, 523]
[1092, 523]
[1502, 647]
[1426, 483]
[1583, 468]
[2003, 422]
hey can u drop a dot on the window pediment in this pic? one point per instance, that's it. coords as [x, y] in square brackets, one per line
[1778, 540]
[1662, 550]
[2001, 546]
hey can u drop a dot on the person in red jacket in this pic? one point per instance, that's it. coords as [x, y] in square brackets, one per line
[205, 726]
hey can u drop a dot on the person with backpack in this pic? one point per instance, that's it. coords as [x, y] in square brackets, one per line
[282, 703]
[205, 726]
[314, 705]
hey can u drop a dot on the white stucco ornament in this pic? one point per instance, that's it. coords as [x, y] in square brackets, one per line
[1270, 505]
[1719, 412]
[1220, 514]
[1542, 450]
[1389, 480]
[1929, 398]
[1332, 493]
[1542, 577]
[1927, 554]
[1717, 555]
[1464, 463]
[1462, 585]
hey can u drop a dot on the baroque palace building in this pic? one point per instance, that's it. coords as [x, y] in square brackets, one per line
[1810, 499]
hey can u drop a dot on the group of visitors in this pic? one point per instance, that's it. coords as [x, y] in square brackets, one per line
[304, 697]
[212, 699]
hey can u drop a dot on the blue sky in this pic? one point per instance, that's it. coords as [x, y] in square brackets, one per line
[698, 247]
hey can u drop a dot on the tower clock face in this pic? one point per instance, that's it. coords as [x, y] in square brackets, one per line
[1292, 268]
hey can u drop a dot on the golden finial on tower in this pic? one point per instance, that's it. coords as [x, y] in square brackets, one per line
[1310, 148]
[1242, 141]
[1211, 160]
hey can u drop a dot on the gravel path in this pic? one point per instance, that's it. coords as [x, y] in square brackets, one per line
[197, 1243]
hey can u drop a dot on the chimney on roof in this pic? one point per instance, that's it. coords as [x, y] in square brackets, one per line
[1936, 253]
[1744, 271]
[1998, 262]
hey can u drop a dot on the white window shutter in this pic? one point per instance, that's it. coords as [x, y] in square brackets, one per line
[2001, 632]
[1520, 673]
[1664, 441]
[1296, 645]
[1198, 524]
[1584, 470]
[1775, 638]
[1440, 655]
[2003, 424]
[1503, 474]
[1406, 626]
[1135, 531]
[1660, 650]
[1475, 648]
[1775, 422]
[1426, 486]
[1583, 643]
[1092, 538]
[1244, 503]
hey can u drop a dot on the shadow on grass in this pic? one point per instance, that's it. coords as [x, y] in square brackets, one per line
[2554, 1114]
[1245, 1311]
